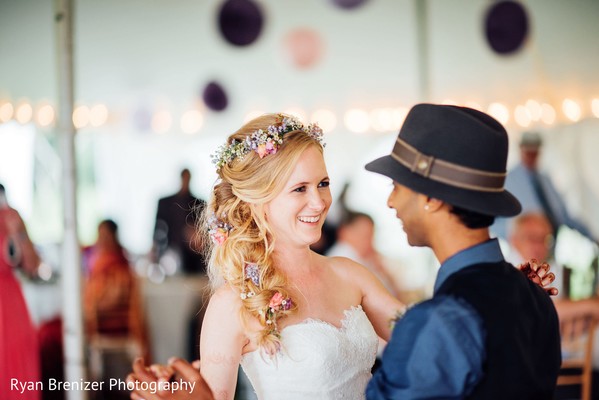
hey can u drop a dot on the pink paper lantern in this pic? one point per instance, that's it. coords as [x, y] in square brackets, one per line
[304, 47]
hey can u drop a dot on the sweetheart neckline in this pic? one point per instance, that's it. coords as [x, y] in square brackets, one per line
[317, 321]
[342, 322]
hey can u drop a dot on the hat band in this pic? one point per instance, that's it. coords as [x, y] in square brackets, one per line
[447, 172]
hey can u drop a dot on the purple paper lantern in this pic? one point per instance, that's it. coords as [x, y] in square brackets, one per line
[240, 21]
[214, 97]
[506, 26]
[349, 4]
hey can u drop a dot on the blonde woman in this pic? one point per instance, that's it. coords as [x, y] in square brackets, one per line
[302, 326]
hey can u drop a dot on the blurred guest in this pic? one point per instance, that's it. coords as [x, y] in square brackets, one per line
[327, 239]
[19, 354]
[176, 219]
[52, 359]
[530, 236]
[536, 191]
[112, 302]
[355, 240]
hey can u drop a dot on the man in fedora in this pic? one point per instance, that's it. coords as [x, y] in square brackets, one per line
[488, 332]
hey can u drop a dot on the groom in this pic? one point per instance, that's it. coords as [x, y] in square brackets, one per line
[488, 332]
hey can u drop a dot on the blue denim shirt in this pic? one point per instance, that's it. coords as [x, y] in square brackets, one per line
[437, 349]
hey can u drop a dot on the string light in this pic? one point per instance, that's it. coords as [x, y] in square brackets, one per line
[595, 107]
[522, 116]
[6, 112]
[326, 119]
[534, 109]
[357, 120]
[381, 119]
[45, 115]
[500, 112]
[191, 121]
[81, 116]
[296, 112]
[571, 110]
[98, 115]
[23, 113]
[474, 105]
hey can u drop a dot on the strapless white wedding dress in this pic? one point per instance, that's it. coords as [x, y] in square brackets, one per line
[318, 362]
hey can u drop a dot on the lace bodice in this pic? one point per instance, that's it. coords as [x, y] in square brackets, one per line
[318, 361]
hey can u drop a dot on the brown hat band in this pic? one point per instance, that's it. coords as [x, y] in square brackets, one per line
[446, 172]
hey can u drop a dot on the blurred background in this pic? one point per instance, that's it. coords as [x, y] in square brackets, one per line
[160, 84]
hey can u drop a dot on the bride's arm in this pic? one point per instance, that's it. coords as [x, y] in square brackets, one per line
[221, 343]
[380, 306]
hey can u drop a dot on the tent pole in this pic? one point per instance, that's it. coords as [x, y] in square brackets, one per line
[422, 49]
[73, 336]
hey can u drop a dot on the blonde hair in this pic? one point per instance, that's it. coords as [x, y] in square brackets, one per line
[244, 186]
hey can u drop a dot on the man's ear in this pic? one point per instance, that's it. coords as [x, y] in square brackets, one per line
[432, 204]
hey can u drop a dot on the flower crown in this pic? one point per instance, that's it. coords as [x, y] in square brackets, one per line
[264, 142]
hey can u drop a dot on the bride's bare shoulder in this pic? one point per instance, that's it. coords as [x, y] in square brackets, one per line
[344, 266]
[225, 298]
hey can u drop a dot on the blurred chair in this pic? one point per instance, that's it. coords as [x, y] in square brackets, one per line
[577, 335]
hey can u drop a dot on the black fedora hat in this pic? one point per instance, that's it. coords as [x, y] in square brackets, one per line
[455, 154]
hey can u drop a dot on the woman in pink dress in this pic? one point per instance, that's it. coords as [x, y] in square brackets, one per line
[19, 353]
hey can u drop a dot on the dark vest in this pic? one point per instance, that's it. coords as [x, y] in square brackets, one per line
[522, 343]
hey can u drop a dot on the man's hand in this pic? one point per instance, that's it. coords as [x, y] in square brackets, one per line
[177, 370]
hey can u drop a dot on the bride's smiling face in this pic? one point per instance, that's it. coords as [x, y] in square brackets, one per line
[297, 213]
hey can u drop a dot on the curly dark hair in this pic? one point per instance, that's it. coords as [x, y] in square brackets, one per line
[473, 219]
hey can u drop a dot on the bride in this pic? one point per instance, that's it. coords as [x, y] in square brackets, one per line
[302, 326]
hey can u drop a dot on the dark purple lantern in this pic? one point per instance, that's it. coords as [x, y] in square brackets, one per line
[214, 97]
[348, 4]
[240, 21]
[506, 26]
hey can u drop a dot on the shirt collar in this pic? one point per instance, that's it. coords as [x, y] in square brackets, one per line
[486, 252]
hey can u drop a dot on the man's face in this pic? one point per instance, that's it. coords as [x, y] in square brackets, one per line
[408, 208]
[529, 157]
[532, 239]
[360, 233]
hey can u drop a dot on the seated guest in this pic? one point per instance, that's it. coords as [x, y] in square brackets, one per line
[531, 237]
[112, 302]
[355, 240]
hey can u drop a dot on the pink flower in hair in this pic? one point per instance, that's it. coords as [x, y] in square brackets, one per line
[261, 150]
[275, 301]
[219, 235]
[218, 230]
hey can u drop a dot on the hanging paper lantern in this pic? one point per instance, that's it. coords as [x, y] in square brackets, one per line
[240, 21]
[303, 47]
[348, 4]
[506, 26]
[214, 97]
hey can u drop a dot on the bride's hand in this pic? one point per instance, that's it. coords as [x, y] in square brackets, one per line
[539, 274]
